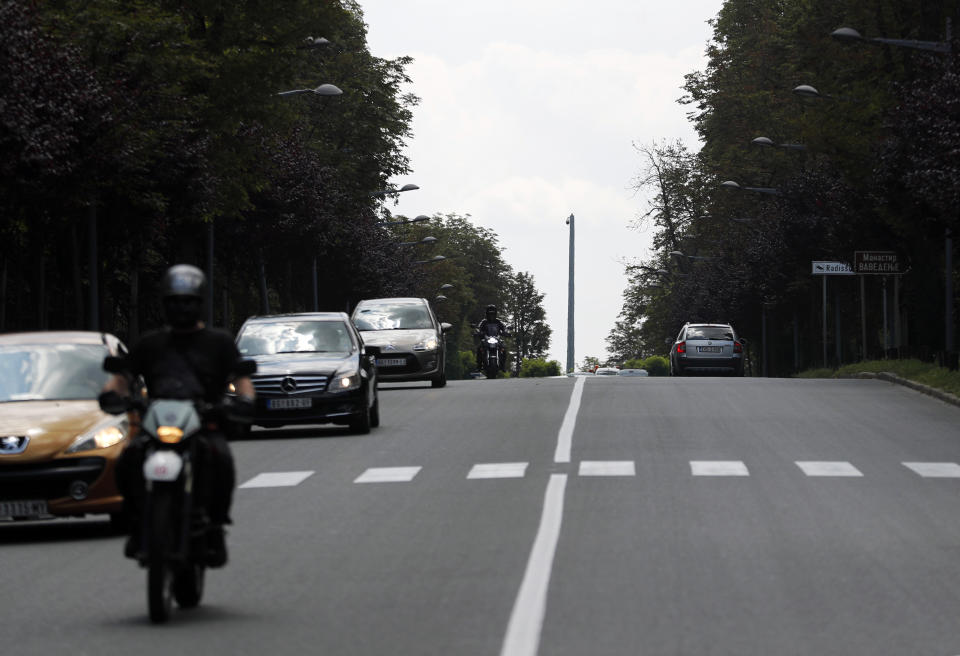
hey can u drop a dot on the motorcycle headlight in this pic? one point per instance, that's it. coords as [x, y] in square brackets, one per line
[492, 341]
[101, 436]
[344, 381]
[429, 344]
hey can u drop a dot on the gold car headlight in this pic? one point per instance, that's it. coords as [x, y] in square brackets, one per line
[102, 436]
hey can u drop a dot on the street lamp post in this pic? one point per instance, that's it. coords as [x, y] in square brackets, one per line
[570, 361]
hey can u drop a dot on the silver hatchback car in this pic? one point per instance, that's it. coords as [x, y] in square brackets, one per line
[707, 347]
[408, 336]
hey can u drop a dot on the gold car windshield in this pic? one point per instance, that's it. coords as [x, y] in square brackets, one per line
[51, 372]
[276, 337]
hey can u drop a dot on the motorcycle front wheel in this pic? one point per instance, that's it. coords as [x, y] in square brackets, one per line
[159, 570]
[188, 585]
[492, 370]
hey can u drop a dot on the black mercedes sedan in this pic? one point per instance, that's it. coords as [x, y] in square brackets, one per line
[312, 368]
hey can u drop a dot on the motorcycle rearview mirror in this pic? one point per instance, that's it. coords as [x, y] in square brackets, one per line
[114, 364]
[444, 327]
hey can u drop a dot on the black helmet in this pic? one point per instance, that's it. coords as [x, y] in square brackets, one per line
[182, 291]
[491, 311]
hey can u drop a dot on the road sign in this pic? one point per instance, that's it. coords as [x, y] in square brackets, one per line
[831, 269]
[877, 262]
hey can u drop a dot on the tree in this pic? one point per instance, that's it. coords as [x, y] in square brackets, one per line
[523, 310]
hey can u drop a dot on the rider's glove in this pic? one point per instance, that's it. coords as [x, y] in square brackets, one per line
[113, 403]
[239, 409]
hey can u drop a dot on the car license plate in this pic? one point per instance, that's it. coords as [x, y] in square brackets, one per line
[23, 508]
[289, 404]
[391, 362]
[709, 349]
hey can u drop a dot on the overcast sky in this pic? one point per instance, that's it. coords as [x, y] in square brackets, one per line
[529, 111]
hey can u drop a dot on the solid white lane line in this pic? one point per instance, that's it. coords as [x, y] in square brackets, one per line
[935, 469]
[718, 468]
[565, 437]
[278, 479]
[388, 475]
[526, 620]
[499, 470]
[607, 468]
[828, 468]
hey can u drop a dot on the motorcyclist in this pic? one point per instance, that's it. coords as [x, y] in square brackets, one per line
[484, 330]
[185, 360]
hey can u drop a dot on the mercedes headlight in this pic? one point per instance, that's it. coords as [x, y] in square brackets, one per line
[345, 381]
[101, 436]
[429, 344]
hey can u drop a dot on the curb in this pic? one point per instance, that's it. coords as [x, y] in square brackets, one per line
[923, 389]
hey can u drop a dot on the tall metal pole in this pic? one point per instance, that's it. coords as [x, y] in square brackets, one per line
[210, 275]
[825, 364]
[94, 319]
[948, 298]
[570, 361]
[863, 318]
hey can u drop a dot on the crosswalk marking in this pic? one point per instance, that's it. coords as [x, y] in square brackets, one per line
[388, 475]
[718, 468]
[278, 479]
[828, 468]
[607, 468]
[589, 468]
[935, 469]
[499, 470]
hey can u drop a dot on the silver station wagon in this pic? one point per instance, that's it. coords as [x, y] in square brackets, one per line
[707, 347]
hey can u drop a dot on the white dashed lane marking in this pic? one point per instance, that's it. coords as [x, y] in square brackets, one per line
[821, 468]
[499, 470]
[278, 479]
[388, 475]
[935, 469]
[718, 468]
[607, 468]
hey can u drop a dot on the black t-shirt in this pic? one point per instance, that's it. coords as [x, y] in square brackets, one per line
[191, 365]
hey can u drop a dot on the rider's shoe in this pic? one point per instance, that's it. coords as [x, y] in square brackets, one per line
[216, 547]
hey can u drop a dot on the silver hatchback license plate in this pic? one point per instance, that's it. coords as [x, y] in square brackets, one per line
[32, 508]
[391, 362]
[289, 404]
[709, 349]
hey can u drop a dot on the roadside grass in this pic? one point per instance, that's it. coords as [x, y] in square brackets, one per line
[925, 373]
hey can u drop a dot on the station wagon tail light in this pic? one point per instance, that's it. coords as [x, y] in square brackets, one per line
[681, 347]
[737, 347]
[169, 434]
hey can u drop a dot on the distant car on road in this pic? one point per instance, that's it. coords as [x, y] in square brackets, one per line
[606, 371]
[57, 447]
[409, 337]
[704, 347]
[312, 368]
[633, 372]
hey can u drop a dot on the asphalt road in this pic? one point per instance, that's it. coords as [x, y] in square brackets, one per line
[661, 516]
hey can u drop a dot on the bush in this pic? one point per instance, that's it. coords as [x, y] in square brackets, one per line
[539, 368]
[468, 363]
[656, 365]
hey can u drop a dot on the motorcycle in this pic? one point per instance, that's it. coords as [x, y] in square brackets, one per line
[174, 522]
[174, 527]
[493, 351]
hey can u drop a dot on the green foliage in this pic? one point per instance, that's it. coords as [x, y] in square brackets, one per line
[876, 172]
[656, 365]
[468, 363]
[589, 363]
[539, 368]
[925, 373]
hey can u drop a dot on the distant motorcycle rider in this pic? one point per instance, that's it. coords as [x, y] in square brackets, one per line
[185, 360]
[490, 326]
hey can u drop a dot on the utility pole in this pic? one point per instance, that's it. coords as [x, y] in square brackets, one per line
[571, 363]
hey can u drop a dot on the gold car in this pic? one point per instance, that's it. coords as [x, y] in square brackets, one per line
[57, 448]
